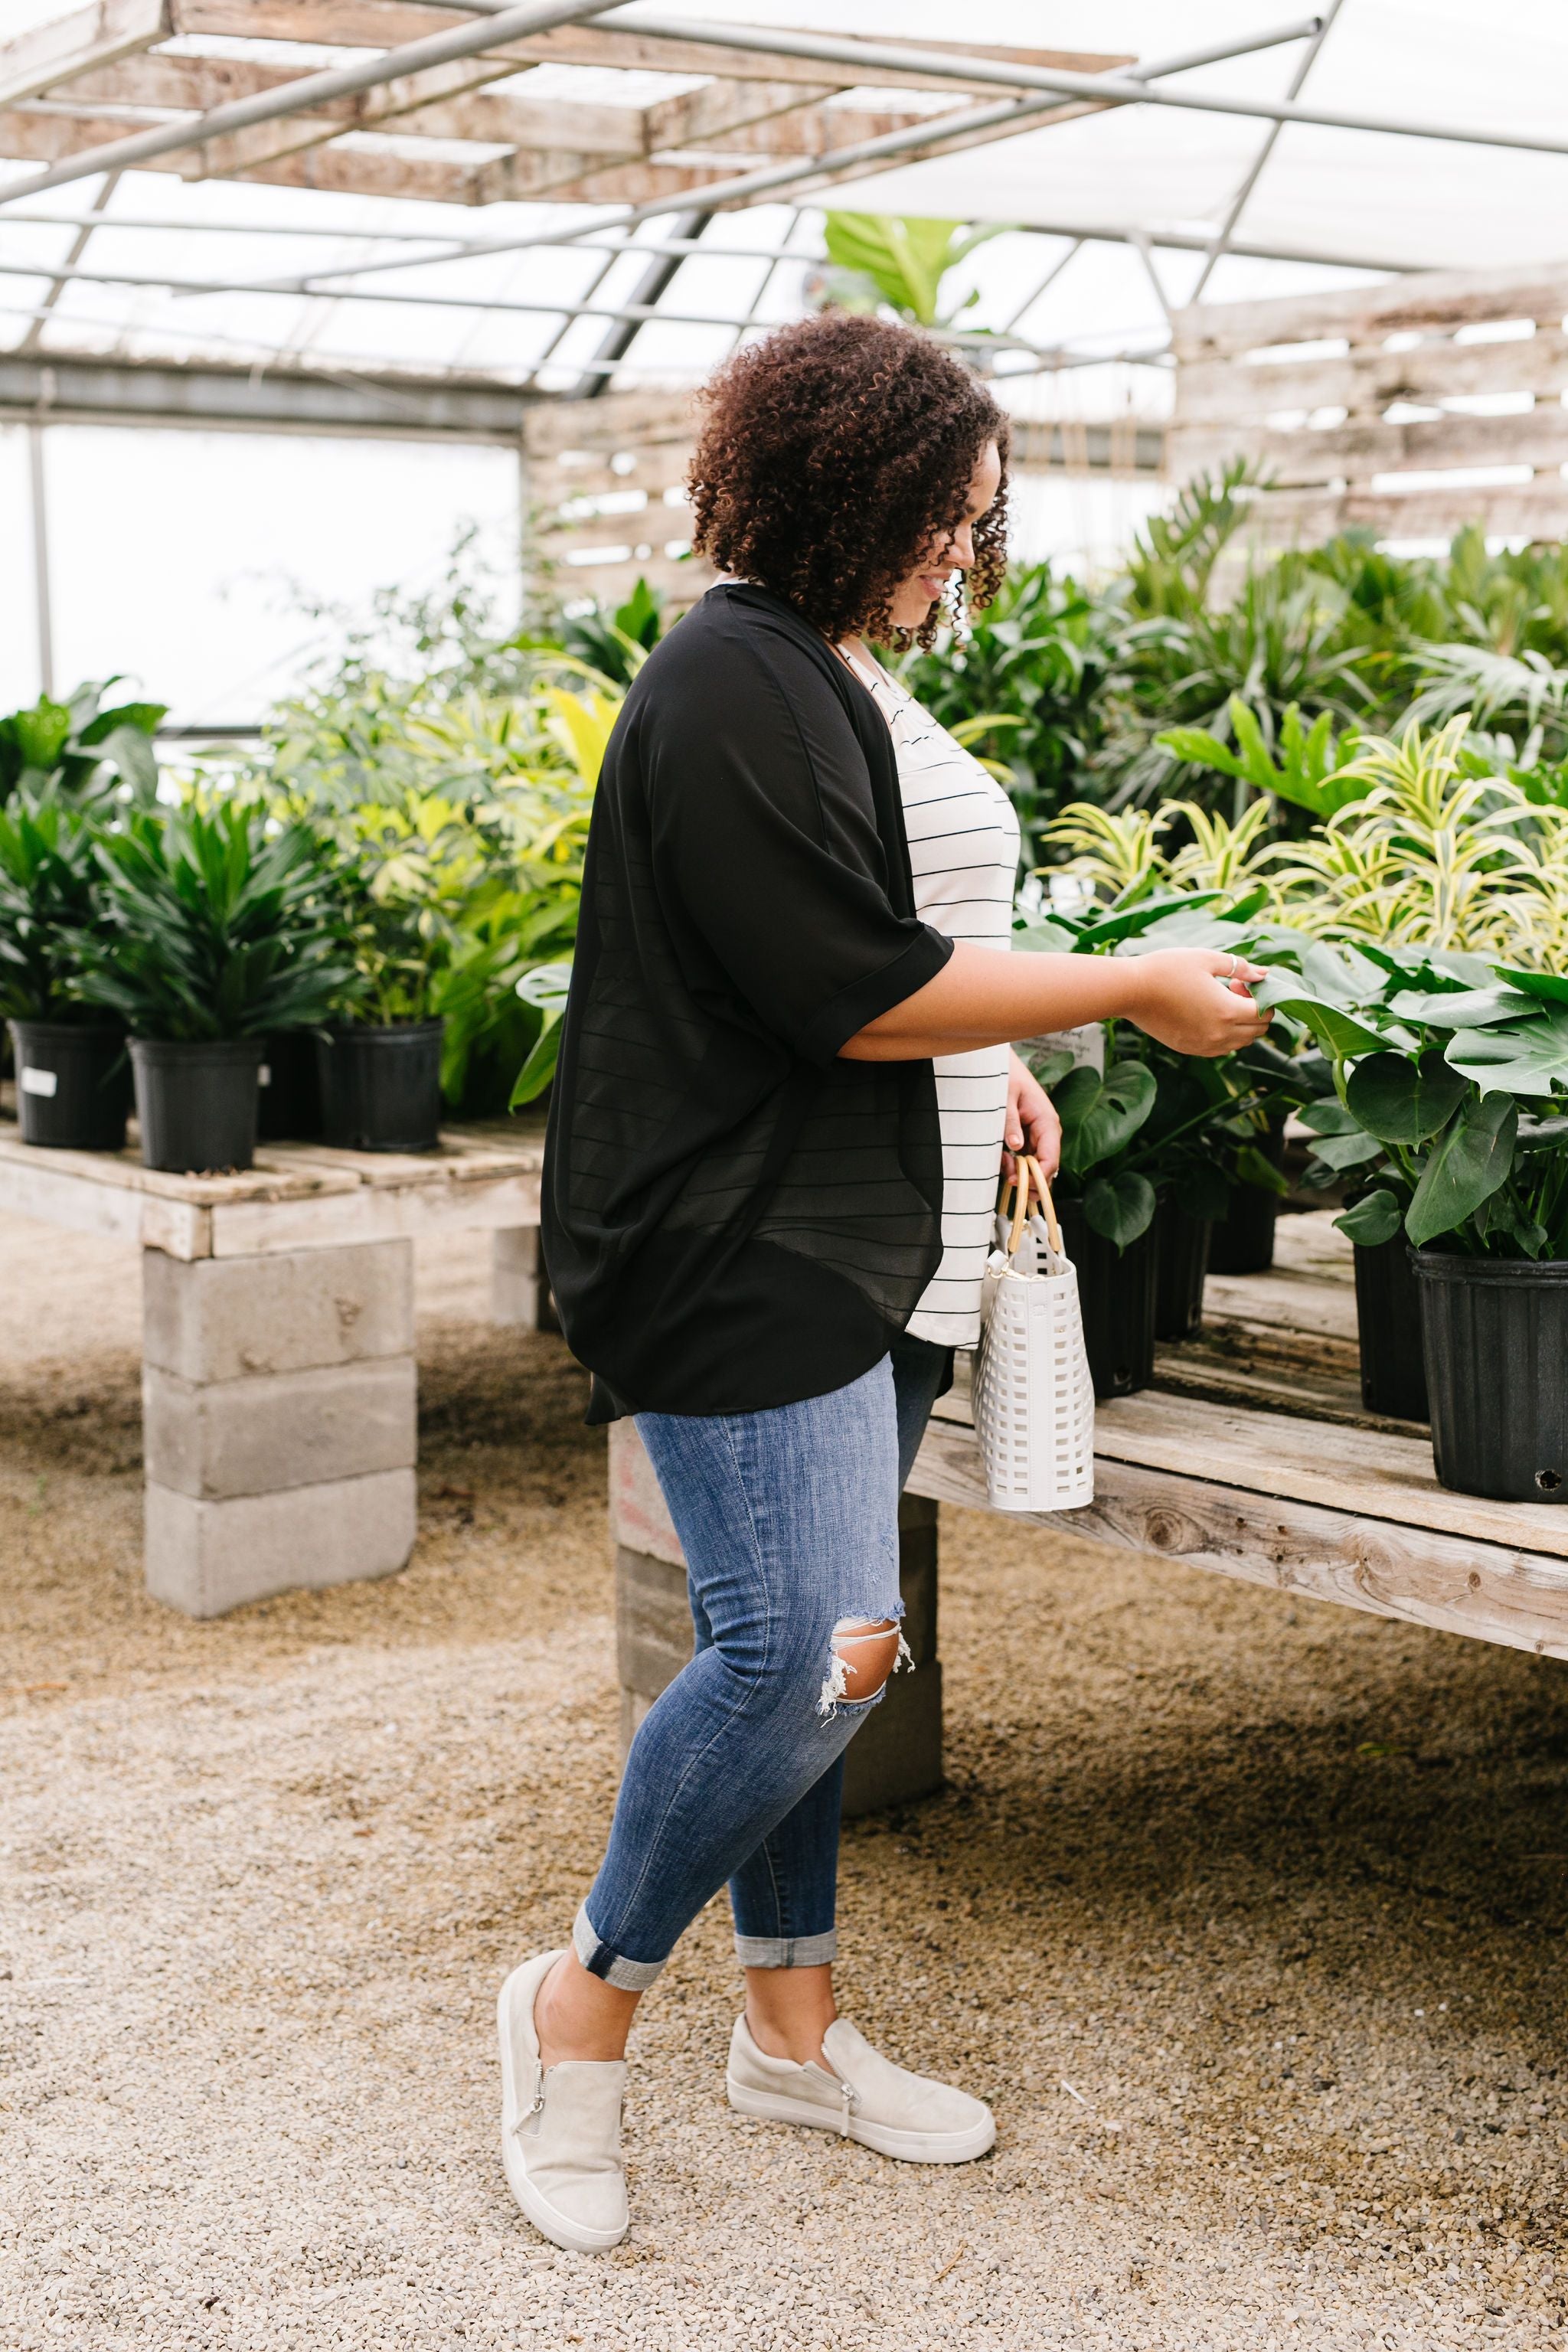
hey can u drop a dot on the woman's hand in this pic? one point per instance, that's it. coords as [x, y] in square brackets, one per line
[1032, 1121]
[1196, 1000]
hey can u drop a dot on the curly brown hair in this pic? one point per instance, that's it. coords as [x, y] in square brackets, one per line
[832, 453]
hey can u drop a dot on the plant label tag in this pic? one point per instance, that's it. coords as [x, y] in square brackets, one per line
[1087, 1046]
[264, 1076]
[40, 1082]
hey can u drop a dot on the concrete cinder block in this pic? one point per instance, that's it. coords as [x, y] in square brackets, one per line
[516, 1277]
[289, 1429]
[520, 1286]
[234, 1318]
[896, 1755]
[653, 1623]
[639, 1516]
[204, 1558]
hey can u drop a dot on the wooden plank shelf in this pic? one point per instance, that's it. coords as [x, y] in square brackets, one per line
[1252, 1455]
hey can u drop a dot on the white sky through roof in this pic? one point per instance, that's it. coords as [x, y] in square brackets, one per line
[1368, 199]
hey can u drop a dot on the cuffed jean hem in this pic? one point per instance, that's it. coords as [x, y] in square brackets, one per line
[787, 1951]
[603, 1962]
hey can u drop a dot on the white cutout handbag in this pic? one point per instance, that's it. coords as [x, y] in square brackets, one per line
[1034, 1399]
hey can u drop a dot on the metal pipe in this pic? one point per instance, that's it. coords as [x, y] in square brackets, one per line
[509, 23]
[1237, 204]
[1111, 88]
[42, 600]
[796, 174]
[657, 276]
[636, 314]
[60, 279]
[1181, 241]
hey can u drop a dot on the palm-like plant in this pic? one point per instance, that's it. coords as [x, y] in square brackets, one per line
[49, 878]
[1431, 856]
[1117, 851]
[212, 927]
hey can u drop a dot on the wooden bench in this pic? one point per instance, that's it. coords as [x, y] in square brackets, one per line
[1251, 1456]
[279, 1380]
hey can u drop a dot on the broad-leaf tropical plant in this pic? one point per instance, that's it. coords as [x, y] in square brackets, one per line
[1450, 1104]
[83, 750]
[883, 258]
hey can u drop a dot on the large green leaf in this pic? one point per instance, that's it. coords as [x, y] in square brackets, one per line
[1549, 987]
[1329, 1117]
[1470, 1158]
[1529, 1058]
[1111, 928]
[1402, 1101]
[546, 988]
[1098, 1114]
[1120, 1208]
[1351, 1150]
[1459, 1008]
[1255, 1168]
[1376, 1218]
[1336, 1032]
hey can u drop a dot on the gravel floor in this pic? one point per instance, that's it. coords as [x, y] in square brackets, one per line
[1247, 1916]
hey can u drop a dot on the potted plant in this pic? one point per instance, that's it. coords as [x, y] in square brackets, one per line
[1451, 1084]
[380, 1061]
[73, 1078]
[1205, 1146]
[209, 932]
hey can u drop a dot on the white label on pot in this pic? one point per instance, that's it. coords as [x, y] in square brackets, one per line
[40, 1082]
[264, 1075]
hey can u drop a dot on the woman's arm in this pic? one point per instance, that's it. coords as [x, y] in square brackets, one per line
[1189, 998]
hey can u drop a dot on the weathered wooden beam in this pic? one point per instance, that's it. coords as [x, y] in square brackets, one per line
[30, 136]
[1353, 453]
[802, 130]
[1425, 1575]
[1536, 511]
[1428, 302]
[196, 84]
[35, 60]
[1224, 392]
[521, 178]
[371, 110]
[383, 24]
[712, 114]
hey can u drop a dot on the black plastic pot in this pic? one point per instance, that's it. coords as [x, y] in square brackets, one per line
[1495, 1337]
[290, 1106]
[1243, 1239]
[196, 1103]
[1388, 1313]
[1115, 1292]
[381, 1089]
[1181, 1262]
[73, 1085]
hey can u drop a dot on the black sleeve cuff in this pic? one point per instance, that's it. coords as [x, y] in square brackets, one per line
[845, 1015]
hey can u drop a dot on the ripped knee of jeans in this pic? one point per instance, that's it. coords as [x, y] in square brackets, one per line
[864, 1655]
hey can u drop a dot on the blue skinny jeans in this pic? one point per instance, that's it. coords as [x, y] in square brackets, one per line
[789, 1521]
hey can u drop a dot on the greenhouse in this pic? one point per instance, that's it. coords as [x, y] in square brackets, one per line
[783, 1163]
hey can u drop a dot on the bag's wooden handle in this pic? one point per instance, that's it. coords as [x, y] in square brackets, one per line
[1031, 1177]
[1053, 1230]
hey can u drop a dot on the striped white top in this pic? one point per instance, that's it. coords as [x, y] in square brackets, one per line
[963, 852]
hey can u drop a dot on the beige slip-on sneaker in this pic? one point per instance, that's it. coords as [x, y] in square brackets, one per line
[560, 2126]
[866, 2097]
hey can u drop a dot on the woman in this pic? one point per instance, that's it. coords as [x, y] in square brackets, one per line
[778, 1122]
